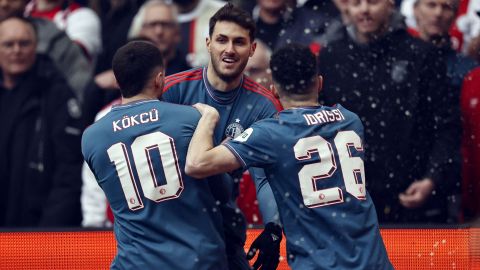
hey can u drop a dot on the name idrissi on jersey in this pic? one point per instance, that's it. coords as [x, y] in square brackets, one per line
[323, 116]
[135, 120]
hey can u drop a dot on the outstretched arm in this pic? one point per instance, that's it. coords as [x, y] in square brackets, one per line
[202, 158]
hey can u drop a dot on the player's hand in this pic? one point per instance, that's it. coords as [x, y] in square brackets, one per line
[207, 111]
[417, 193]
[268, 245]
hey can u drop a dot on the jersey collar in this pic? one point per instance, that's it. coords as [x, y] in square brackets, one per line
[218, 96]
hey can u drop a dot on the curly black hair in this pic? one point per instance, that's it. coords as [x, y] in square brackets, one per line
[294, 68]
[133, 65]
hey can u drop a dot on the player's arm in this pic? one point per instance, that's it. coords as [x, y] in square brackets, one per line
[202, 158]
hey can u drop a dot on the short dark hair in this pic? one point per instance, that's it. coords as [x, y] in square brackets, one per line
[231, 13]
[294, 68]
[133, 65]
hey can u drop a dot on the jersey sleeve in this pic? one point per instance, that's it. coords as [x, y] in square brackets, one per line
[253, 147]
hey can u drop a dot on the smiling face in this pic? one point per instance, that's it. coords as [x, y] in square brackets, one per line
[370, 17]
[434, 17]
[230, 47]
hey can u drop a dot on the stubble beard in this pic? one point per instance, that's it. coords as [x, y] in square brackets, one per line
[228, 77]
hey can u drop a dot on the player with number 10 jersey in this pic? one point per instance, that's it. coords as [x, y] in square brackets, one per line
[164, 219]
[162, 216]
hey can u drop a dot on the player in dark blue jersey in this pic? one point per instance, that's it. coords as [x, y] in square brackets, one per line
[313, 157]
[241, 102]
[164, 219]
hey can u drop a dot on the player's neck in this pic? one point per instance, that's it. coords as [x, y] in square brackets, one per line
[222, 85]
[291, 104]
[138, 97]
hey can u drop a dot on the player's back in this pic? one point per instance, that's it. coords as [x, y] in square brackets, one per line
[314, 158]
[163, 218]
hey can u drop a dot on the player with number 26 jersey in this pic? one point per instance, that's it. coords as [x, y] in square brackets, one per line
[164, 219]
[313, 157]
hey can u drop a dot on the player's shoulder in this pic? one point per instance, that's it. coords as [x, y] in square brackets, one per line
[93, 131]
[194, 74]
[179, 112]
[267, 125]
[250, 85]
[352, 119]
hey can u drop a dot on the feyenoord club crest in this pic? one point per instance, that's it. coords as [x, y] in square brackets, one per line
[234, 129]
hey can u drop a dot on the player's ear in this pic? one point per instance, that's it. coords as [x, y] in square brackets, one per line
[159, 79]
[207, 41]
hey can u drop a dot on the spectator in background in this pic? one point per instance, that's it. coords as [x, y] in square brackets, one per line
[434, 18]
[397, 85]
[324, 8]
[67, 56]
[470, 104]
[40, 155]
[469, 25]
[334, 29]
[81, 24]
[157, 20]
[257, 67]
[116, 17]
[280, 24]
[193, 18]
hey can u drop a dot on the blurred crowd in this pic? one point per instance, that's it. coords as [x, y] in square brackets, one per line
[409, 69]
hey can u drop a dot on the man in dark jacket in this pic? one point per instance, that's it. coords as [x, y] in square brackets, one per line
[40, 155]
[397, 85]
[279, 24]
[66, 55]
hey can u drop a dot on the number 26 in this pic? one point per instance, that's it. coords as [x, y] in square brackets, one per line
[352, 167]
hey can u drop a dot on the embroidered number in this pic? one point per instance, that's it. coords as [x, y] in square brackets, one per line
[352, 168]
[141, 149]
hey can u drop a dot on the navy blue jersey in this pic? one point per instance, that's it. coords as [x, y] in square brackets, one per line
[164, 219]
[313, 158]
[238, 110]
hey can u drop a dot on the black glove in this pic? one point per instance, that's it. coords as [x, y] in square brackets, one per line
[268, 243]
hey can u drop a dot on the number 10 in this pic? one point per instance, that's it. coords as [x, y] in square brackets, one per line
[141, 149]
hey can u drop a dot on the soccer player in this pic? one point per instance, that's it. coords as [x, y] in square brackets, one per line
[241, 102]
[163, 218]
[313, 157]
